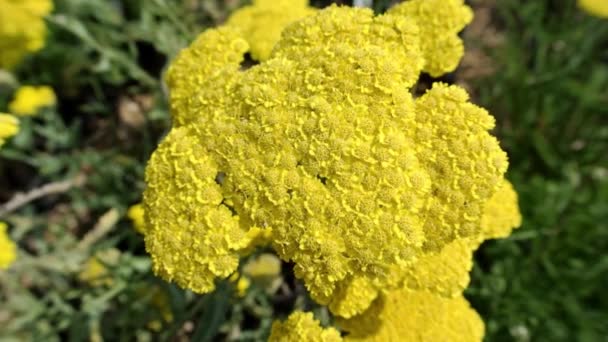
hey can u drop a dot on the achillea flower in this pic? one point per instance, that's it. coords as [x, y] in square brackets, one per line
[301, 326]
[9, 126]
[406, 315]
[8, 250]
[136, 215]
[30, 99]
[242, 285]
[22, 29]
[262, 22]
[324, 147]
[598, 8]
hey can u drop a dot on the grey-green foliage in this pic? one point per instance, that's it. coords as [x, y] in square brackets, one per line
[550, 96]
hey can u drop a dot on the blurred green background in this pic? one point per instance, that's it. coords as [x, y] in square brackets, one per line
[539, 66]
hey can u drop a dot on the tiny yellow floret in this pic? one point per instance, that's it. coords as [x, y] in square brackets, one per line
[8, 250]
[136, 215]
[242, 286]
[29, 100]
[241, 283]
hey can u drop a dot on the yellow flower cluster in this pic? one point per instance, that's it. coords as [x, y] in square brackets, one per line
[598, 8]
[301, 326]
[22, 29]
[9, 126]
[262, 22]
[324, 151]
[29, 100]
[8, 250]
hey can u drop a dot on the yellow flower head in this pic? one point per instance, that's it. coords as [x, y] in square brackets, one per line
[136, 215]
[29, 100]
[598, 8]
[8, 250]
[241, 282]
[242, 285]
[261, 24]
[406, 315]
[324, 146]
[22, 29]
[301, 326]
[9, 126]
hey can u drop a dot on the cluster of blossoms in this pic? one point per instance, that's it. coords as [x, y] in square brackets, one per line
[322, 153]
[22, 29]
[28, 101]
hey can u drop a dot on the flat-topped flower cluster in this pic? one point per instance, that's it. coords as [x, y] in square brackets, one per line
[322, 152]
[22, 29]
